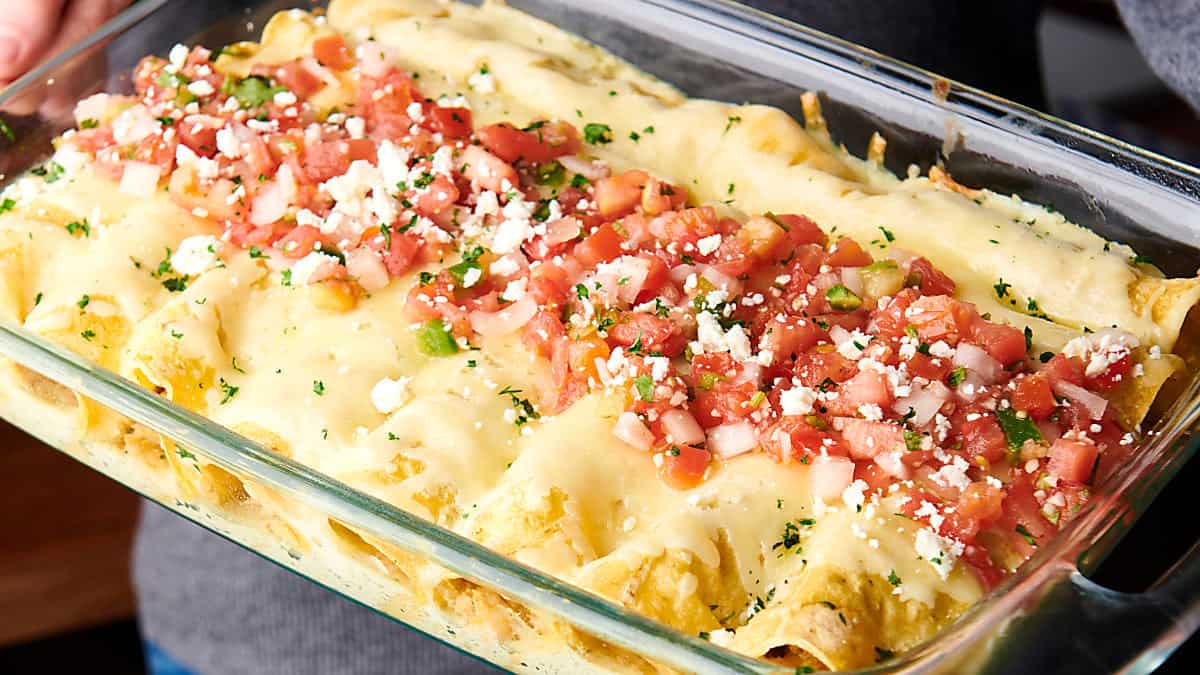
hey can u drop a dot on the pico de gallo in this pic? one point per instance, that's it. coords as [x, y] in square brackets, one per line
[726, 335]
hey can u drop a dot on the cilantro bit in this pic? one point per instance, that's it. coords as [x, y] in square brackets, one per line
[597, 134]
[7, 205]
[1026, 535]
[730, 121]
[645, 387]
[580, 181]
[524, 408]
[893, 579]
[956, 376]
[887, 234]
[1017, 430]
[434, 339]
[7, 131]
[88, 334]
[83, 301]
[318, 387]
[1001, 288]
[76, 226]
[228, 390]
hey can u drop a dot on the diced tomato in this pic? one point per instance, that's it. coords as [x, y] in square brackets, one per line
[978, 506]
[941, 317]
[725, 403]
[792, 437]
[720, 364]
[542, 332]
[1063, 368]
[568, 387]
[325, 159]
[923, 365]
[619, 195]
[684, 467]
[602, 245]
[792, 337]
[847, 253]
[801, 229]
[1021, 510]
[583, 354]
[876, 478]
[549, 285]
[1113, 375]
[867, 388]
[655, 333]
[533, 144]
[439, 196]
[980, 435]
[298, 78]
[866, 439]
[656, 277]
[691, 225]
[1004, 343]
[889, 320]
[331, 52]
[300, 242]
[450, 122]
[1034, 396]
[813, 368]
[400, 251]
[199, 132]
[488, 170]
[929, 279]
[1072, 460]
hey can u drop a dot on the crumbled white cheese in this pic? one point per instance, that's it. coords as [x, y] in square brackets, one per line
[196, 254]
[284, 98]
[178, 56]
[472, 277]
[201, 88]
[515, 290]
[388, 395]
[709, 244]
[798, 400]
[305, 267]
[482, 82]
[938, 551]
[854, 495]
[357, 127]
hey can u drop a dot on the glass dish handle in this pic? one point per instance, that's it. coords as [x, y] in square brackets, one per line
[1079, 626]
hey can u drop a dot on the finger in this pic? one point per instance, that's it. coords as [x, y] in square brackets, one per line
[25, 35]
[80, 18]
[85, 74]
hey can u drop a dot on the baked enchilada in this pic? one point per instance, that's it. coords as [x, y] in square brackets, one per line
[687, 355]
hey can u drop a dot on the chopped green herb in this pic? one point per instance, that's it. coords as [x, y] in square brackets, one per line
[237, 367]
[253, 91]
[1028, 338]
[425, 278]
[37, 299]
[887, 234]
[957, 376]
[83, 301]
[434, 339]
[255, 252]
[1045, 356]
[88, 334]
[1001, 288]
[645, 387]
[1017, 430]
[581, 291]
[893, 579]
[597, 134]
[89, 123]
[76, 226]
[318, 387]
[7, 131]
[882, 654]
[635, 136]
[524, 408]
[7, 205]
[730, 121]
[228, 390]
[1026, 535]
[579, 181]
[285, 277]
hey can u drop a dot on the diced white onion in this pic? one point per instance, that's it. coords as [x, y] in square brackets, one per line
[829, 476]
[134, 124]
[365, 265]
[631, 277]
[375, 58]
[893, 465]
[562, 231]
[925, 402]
[721, 280]
[852, 279]
[631, 430]
[681, 427]
[589, 170]
[94, 107]
[975, 359]
[140, 179]
[269, 205]
[505, 321]
[731, 440]
[287, 183]
[902, 257]
[1094, 403]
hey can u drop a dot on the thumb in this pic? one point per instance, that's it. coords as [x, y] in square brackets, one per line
[26, 34]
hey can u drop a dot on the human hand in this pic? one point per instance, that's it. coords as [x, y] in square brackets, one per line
[32, 31]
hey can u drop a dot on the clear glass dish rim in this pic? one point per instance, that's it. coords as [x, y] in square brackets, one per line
[582, 608]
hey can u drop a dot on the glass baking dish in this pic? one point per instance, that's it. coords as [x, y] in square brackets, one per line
[1046, 617]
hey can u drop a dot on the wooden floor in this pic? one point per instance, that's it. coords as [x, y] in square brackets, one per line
[65, 533]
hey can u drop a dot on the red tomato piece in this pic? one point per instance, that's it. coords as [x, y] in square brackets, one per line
[619, 195]
[1004, 343]
[1112, 375]
[813, 368]
[301, 241]
[981, 436]
[1072, 460]
[1063, 368]
[298, 78]
[441, 194]
[929, 279]
[331, 52]
[452, 123]
[794, 336]
[602, 245]
[941, 317]
[533, 144]
[1034, 396]
[866, 439]
[847, 253]
[655, 333]
[684, 467]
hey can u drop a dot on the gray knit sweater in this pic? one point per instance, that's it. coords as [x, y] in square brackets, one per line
[217, 608]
